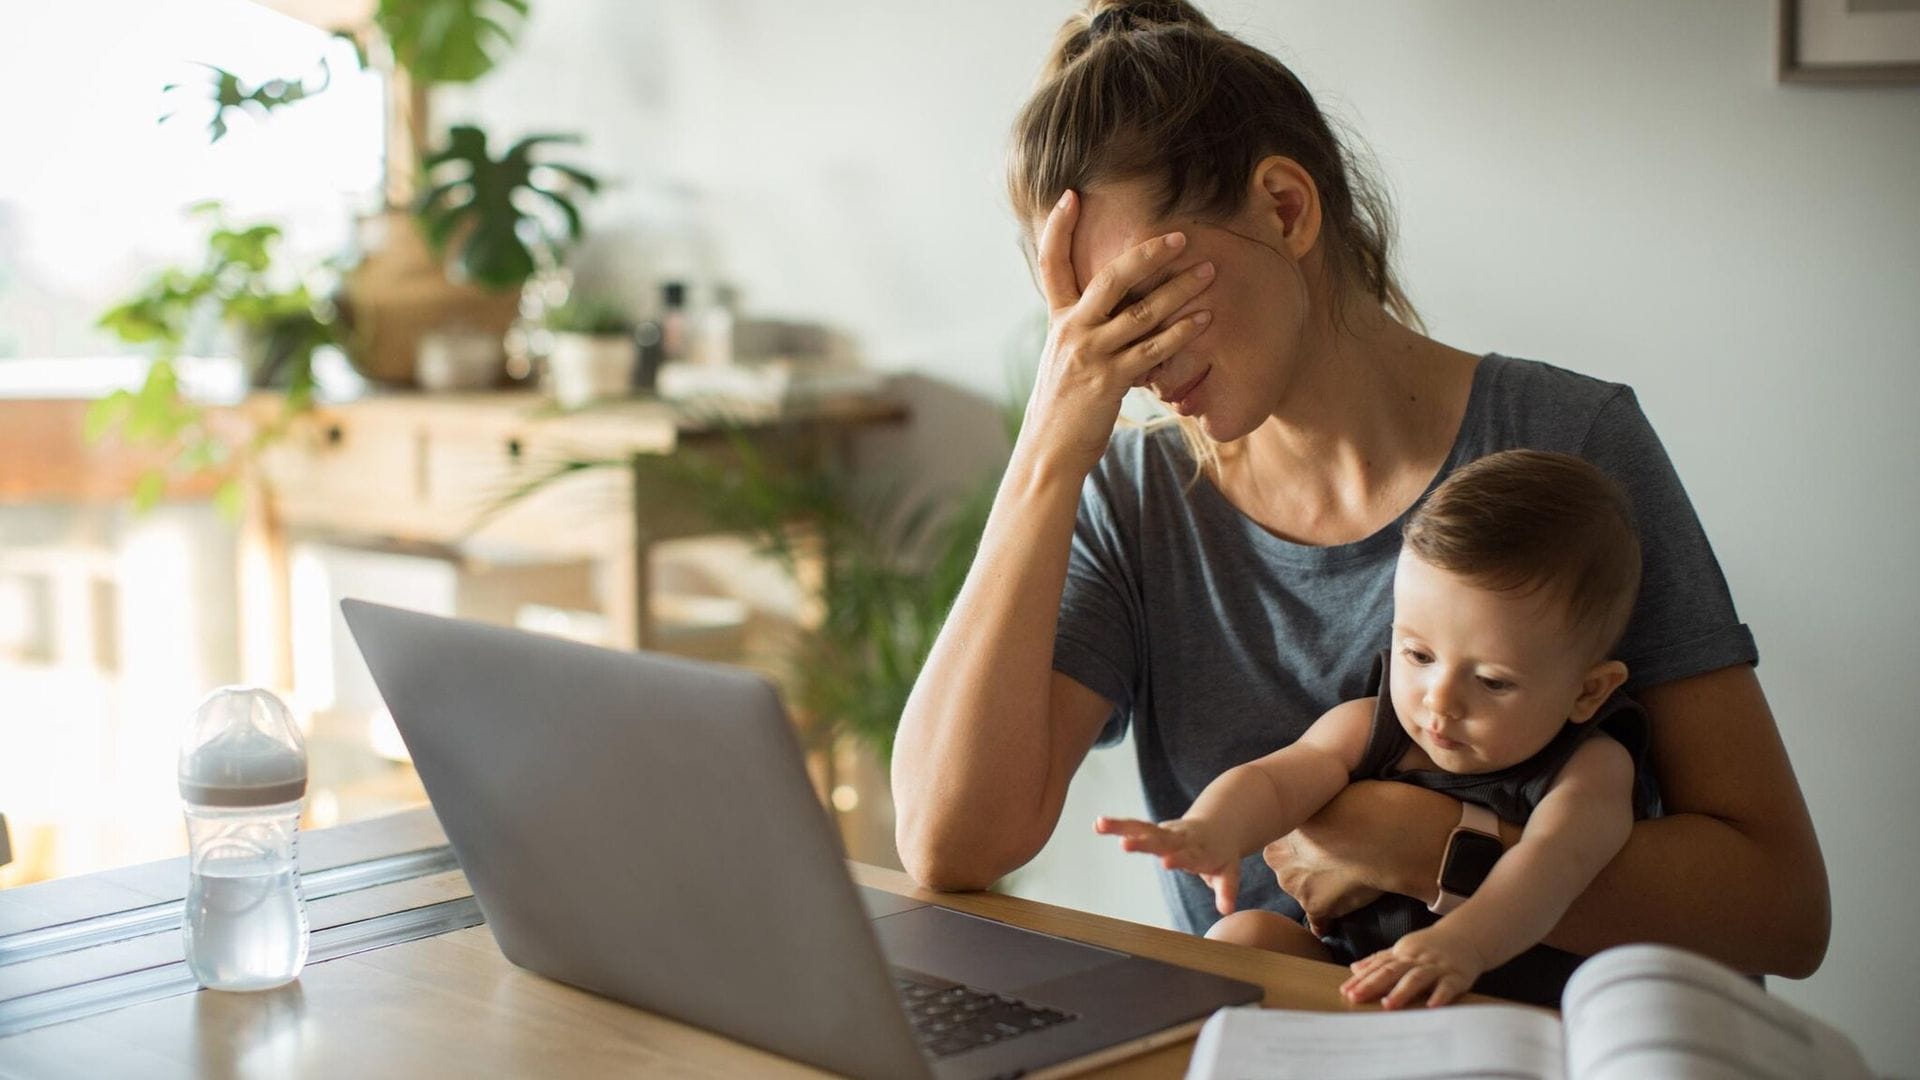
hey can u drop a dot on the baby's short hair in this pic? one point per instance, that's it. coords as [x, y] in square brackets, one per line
[1522, 520]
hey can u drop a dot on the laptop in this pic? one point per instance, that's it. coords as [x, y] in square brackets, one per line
[642, 827]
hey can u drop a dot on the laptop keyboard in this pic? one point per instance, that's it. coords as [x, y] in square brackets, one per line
[953, 1018]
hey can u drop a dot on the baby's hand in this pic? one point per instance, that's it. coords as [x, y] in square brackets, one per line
[1182, 844]
[1423, 959]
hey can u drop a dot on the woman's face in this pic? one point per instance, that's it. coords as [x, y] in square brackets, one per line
[1234, 374]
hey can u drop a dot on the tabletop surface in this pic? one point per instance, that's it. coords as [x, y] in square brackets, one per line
[450, 1003]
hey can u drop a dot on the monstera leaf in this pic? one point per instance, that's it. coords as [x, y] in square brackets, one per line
[493, 208]
[442, 41]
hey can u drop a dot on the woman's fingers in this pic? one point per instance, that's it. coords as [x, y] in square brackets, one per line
[1055, 253]
[1140, 318]
[1128, 269]
[1141, 358]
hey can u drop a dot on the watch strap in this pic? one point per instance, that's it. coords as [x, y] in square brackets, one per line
[1474, 818]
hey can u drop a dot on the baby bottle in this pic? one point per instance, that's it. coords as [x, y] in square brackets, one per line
[243, 773]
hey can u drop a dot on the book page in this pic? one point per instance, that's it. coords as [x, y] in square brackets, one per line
[1453, 1043]
[1643, 1011]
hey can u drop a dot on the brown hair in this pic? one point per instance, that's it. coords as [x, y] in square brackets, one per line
[1522, 520]
[1152, 89]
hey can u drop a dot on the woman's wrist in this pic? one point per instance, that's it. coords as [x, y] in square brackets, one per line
[1035, 469]
[1418, 822]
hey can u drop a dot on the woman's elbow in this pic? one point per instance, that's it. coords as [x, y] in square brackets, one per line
[1803, 942]
[943, 855]
[940, 864]
[941, 873]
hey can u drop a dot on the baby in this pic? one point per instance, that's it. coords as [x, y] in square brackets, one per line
[1515, 581]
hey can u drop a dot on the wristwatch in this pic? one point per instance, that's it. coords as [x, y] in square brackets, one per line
[1472, 849]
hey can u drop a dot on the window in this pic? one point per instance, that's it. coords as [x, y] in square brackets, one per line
[93, 188]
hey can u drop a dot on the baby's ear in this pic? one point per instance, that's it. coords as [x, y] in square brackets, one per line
[1596, 687]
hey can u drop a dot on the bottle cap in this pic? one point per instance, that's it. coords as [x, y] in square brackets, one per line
[242, 749]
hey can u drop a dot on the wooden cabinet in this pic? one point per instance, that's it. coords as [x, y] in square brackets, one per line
[429, 473]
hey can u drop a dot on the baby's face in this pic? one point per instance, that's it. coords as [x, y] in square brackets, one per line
[1481, 679]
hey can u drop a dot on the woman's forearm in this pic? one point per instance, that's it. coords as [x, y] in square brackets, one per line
[1734, 870]
[974, 756]
[1702, 884]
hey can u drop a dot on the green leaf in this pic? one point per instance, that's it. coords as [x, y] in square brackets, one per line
[450, 40]
[106, 414]
[148, 490]
[567, 210]
[475, 194]
[359, 46]
[230, 498]
[522, 151]
[585, 179]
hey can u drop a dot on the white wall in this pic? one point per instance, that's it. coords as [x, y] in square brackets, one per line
[1618, 188]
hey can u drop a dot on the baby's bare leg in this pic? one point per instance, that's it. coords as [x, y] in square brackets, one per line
[1271, 931]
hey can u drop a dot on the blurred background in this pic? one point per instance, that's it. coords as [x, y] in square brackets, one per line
[727, 367]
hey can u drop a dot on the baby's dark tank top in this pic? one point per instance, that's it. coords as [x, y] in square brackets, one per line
[1539, 974]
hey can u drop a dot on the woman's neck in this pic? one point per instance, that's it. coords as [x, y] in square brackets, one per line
[1365, 423]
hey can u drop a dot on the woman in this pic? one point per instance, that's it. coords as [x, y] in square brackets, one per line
[1198, 231]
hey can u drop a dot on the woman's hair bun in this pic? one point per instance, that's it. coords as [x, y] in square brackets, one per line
[1119, 16]
[1103, 19]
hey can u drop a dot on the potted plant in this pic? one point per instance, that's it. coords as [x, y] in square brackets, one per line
[457, 262]
[278, 321]
[593, 354]
[400, 291]
[405, 287]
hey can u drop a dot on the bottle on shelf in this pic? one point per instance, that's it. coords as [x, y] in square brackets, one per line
[675, 333]
[713, 345]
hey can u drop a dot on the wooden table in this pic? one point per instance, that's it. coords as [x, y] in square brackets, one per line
[451, 1004]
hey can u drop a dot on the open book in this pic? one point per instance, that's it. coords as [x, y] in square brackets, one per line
[1638, 1012]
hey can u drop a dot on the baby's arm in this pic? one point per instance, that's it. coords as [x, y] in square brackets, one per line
[1249, 805]
[1581, 823]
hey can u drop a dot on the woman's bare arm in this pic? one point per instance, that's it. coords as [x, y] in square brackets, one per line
[991, 734]
[1733, 871]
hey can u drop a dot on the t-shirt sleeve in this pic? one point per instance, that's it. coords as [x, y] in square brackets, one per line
[1684, 623]
[1100, 610]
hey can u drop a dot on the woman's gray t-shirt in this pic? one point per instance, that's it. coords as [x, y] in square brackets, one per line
[1221, 643]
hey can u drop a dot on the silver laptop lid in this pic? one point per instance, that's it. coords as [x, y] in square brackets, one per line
[610, 810]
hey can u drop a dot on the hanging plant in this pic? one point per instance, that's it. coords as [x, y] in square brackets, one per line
[230, 94]
[500, 214]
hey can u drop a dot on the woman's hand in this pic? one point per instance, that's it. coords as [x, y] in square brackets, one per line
[1428, 962]
[1374, 837]
[1183, 844]
[1097, 347]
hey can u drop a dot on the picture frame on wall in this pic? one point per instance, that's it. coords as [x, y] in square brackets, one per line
[1849, 41]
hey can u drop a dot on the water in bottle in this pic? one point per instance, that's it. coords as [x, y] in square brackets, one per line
[243, 773]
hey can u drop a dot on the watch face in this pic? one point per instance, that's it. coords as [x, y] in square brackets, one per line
[1470, 859]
